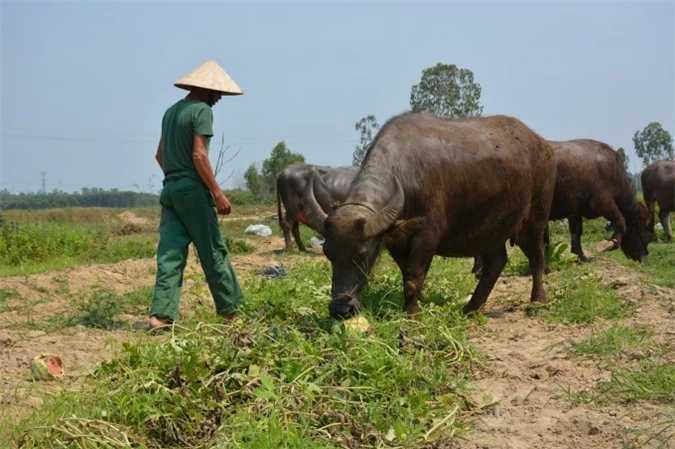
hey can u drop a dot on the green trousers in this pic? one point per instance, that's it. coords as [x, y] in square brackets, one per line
[188, 215]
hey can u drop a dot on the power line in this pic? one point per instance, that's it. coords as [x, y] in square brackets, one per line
[148, 141]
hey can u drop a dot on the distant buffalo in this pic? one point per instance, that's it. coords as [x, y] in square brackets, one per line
[431, 186]
[291, 183]
[591, 182]
[658, 185]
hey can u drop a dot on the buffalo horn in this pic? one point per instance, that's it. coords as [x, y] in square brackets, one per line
[380, 222]
[316, 216]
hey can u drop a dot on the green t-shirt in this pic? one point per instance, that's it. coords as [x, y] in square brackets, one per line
[180, 124]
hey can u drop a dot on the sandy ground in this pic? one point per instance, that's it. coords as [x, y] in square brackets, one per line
[527, 373]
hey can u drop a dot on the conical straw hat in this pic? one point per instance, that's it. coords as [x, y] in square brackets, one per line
[210, 76]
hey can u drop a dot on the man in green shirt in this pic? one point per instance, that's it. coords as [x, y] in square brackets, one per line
[189, 196]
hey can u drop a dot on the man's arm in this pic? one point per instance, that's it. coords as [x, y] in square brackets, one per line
[203, 166]
[158, 156]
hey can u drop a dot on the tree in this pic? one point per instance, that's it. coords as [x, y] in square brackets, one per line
[447, 91]
[653, 143]
[223, 159]
[253, 182]
[367, 126]
[624, 158]
[280, 158]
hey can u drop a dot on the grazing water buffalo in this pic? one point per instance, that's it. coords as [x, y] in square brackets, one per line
[591, 182]
[658, 185]
[291, 183]
[431, 186]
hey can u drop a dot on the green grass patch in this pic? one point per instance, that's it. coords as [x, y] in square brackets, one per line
[102, 308]
[650, 378]
[99, 308]
[661, 268]
[5, 295]
[577, 295]
[613, 342]
[285, 375]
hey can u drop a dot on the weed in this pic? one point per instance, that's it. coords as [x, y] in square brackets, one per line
[579, 296]
[657, 436]
[5, 295]
[613, 342]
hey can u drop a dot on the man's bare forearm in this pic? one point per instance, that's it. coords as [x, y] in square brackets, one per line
[203, 165]
[158, 155]
[205, 171]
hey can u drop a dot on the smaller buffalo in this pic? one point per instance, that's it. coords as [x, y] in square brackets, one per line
[291, 183]
[591, 182]
[658, 185]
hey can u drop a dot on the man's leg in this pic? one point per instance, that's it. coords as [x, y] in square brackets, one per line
[172, 253]
[195, 206]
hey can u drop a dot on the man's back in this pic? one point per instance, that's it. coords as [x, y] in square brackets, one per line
[182, 121]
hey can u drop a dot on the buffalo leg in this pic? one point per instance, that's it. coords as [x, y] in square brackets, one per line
[533, 247]
[296, 235]
[619, 222]
[576, 229]
[522, 243]
[286, 228]
[649, 202]
[414, 265]
[477, 268]
[663, 216]
[493, 264]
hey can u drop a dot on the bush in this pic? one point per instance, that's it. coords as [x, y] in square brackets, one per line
[38, 243]
[241, 197]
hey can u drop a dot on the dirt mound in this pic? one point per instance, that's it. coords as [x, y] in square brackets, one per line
[132, 218]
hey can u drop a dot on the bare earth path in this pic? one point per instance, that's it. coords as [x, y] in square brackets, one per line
[529, 372]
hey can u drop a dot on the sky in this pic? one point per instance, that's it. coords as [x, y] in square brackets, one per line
[84, 85]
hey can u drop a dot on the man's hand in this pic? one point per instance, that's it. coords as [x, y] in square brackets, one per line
[223, 205]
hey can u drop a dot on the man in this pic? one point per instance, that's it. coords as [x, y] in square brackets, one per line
[188, 198]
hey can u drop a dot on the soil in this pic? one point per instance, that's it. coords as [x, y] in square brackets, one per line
[527, 371]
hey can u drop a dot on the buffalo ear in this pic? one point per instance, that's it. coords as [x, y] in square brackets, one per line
[403, 229]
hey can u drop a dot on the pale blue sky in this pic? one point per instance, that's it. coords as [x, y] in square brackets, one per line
[85, 84]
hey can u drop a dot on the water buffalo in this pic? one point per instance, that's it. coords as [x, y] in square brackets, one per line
[431, 186]
[291, 183]
[658, 185]
[591, 182]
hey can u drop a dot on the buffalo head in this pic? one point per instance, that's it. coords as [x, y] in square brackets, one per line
[353, 234]
[637, 237]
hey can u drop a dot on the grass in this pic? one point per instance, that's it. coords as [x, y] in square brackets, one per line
[613, 342]
[657, 436]
[577, 295]
[285, 375]
[97, 308]
[44, 240]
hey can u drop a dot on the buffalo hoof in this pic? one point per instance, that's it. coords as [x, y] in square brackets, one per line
[469, 308]
[342, 309]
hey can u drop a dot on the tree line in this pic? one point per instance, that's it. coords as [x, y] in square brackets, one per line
[87, 197]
